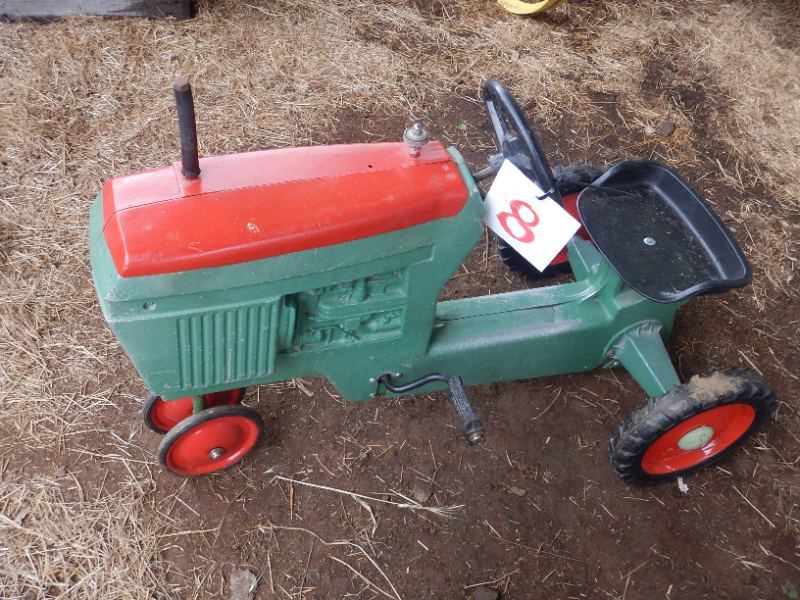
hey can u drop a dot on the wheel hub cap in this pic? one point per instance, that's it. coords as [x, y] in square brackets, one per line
[696, 438]
[212, 444]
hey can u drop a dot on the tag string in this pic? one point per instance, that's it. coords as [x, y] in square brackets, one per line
[562, 180]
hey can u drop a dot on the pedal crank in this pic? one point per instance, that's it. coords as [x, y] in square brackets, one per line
[473, 430]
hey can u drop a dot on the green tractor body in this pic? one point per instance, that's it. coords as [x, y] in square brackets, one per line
[354, 310]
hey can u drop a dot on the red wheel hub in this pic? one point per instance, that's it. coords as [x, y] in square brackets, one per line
[711, 432]
[168, 413]
[212, 445]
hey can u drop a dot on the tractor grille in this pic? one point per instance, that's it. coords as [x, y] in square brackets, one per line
[227, 346]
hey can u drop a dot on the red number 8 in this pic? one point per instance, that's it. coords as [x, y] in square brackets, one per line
[515, 206]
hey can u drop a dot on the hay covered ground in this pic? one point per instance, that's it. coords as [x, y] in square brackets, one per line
[86, 511]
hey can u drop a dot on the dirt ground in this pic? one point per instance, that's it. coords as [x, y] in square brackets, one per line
[86, 511]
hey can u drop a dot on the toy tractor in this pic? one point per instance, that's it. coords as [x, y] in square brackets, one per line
[233, 271]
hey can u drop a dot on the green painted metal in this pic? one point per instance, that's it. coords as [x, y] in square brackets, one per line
[640, 349]
[353, 311]
[198, 404]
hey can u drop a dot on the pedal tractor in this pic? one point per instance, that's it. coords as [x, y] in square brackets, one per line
[232, 271]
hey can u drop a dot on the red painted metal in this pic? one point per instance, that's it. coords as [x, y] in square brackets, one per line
[729, 424]
[570, 204]
[189, 455]
[255, 205]
[167, 414]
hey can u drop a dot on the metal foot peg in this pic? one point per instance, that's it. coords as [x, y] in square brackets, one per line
[473, 430]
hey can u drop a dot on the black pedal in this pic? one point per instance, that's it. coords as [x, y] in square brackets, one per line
[473, 430]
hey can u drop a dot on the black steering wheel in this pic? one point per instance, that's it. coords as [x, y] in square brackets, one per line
[516, 139]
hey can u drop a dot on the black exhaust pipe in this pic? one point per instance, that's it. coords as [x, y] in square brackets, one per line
[190, 161]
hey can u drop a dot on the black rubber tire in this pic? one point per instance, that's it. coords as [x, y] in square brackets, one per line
[198, 419]
[682, 402]
[580, 172]
[513, 260]
[149, 406]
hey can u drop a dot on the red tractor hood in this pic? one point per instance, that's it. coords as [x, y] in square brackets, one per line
[256, 205]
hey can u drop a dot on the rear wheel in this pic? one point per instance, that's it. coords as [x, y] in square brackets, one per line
[514, 261]
[691, 426]
[210, 440]
[162, 415]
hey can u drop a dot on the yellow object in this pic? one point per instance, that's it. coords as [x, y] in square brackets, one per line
[529, 8]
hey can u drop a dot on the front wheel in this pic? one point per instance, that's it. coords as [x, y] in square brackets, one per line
[210, 440]
[162, 415]
[691, 426]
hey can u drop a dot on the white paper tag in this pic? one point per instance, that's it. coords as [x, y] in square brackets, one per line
[537, 229]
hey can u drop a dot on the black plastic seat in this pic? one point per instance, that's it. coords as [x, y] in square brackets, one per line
[667, 243]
